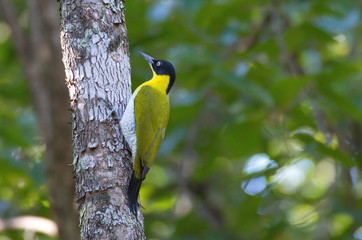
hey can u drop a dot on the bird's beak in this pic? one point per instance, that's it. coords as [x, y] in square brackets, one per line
[149, 59]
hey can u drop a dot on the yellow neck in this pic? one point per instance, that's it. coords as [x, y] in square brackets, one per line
[160, 82]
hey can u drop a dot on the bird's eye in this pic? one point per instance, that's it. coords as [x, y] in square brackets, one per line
[158, 64]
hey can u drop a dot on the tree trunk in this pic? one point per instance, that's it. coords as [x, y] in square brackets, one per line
[40, 55]
[97, 67]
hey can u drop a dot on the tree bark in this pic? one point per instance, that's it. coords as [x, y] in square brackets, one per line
[97, 67]
[40, 55]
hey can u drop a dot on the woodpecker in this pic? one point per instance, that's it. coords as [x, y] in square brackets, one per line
[144, 122]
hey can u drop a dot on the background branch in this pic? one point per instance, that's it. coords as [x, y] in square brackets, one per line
[31, 223]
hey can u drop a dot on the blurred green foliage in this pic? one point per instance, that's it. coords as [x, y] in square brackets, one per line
[22, 189]
[264, 140]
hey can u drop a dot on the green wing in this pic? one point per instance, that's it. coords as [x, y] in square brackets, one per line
[152, 110]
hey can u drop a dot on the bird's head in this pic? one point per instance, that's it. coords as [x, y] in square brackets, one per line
[161, 68]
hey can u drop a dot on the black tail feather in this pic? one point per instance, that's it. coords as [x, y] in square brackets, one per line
[133, 192]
